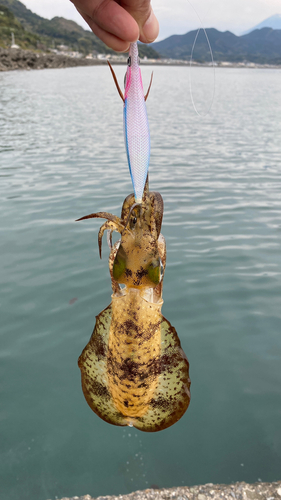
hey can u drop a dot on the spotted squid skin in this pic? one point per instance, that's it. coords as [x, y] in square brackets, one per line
[133, 369]
[150, 396]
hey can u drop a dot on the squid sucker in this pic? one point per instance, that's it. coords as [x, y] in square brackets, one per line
[134, 371]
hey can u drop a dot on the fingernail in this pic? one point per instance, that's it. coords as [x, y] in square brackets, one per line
[150, 29]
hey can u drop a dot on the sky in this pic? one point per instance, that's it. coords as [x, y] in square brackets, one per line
[181, 16]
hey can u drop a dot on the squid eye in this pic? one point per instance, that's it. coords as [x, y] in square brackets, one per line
[133, 222]
[129, 62]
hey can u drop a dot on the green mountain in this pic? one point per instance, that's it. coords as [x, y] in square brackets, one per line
[8, 25]
[260, 46]
[57, 31]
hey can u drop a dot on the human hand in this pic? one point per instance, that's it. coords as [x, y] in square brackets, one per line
[119, 22]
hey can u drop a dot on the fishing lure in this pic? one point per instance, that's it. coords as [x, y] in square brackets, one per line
[136, 128]
[134, 371]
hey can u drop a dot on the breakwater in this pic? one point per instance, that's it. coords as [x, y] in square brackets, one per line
[13, 59]
[239, 491]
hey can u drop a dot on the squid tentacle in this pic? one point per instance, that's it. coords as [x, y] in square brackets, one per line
[109, 226]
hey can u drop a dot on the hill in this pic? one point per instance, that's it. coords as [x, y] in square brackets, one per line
[9, 24]
[273, 22]
[260, 46]
[58, 31]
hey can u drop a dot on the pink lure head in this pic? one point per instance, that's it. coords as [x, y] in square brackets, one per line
[133, 67]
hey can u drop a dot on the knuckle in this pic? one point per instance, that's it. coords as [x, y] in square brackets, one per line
[98, 9]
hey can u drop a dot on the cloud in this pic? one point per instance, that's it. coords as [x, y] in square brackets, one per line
[232, 15]
[53, 8]
[181, 16]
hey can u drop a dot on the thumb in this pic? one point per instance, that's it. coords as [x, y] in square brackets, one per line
[150, 29]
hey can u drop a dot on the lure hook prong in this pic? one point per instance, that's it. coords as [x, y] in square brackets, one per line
[148, 90]
[116, 82]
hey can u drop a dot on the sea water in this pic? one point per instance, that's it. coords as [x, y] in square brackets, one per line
[61, 157]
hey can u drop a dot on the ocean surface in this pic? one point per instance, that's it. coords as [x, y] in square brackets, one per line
[61, 157]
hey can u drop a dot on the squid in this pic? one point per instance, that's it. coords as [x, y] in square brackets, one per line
[134, 371]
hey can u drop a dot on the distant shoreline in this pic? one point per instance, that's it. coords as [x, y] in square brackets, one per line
[18, 59]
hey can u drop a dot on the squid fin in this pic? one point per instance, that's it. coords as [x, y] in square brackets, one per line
[93, 366]
[171, 397]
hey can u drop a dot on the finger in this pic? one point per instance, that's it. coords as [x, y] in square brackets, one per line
[110, 40]
[112, 18]
[150, 30]
[142, 12]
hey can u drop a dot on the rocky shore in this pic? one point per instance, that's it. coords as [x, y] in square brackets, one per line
[239, 491]
[12, 59]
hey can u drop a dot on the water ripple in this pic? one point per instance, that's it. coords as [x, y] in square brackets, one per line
[62, 156]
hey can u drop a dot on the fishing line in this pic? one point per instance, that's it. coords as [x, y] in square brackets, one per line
[190, 66]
